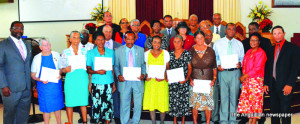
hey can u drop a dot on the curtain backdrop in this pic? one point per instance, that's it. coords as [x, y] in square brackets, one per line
[176, 8]
[149, 10]
[202, 8]
[122, 9]
[229, 9]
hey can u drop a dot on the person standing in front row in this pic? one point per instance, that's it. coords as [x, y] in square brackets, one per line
[229, 78]
[179, 92]
[251, 98]
[283, 68]
[156, 95]
[102, 83]
[50, 94]
[204, 68]
[76, 81]
[15, 57]
[130, 55]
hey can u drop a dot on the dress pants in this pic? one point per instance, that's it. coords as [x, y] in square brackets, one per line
[280, 103]
[215, 112]
[126, 89]
[16, 107]
[229, 92]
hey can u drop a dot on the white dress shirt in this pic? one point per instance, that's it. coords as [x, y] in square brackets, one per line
[215, 28]
[109, 44]
[169, 32]
[16, 41]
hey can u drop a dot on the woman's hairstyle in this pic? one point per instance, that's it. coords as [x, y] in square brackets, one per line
[154, 37]
[153, 22]
[43, 40]
[199, 32]
[121, 21]
[96, 34]
[81, 36]
[257, 35]
[182, 25]
[178, 36]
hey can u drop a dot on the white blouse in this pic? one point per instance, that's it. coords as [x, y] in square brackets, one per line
[37, 61]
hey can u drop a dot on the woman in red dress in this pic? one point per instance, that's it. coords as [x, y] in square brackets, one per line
[182, 29]
[251, 99]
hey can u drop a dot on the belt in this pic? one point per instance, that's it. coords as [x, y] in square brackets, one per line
[231, 69]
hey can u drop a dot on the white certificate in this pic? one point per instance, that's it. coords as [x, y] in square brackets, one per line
[50, 75]
[103, 63]
[131, 73]
[77, 62]
[175, 75]
[201, 86]
[156, 71]
[229, 61]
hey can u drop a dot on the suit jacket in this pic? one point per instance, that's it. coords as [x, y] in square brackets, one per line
[222, 30]
[116, 45]
[120, 60]
[14, 71]
[165, 32]
[287, 66]
[116, 28]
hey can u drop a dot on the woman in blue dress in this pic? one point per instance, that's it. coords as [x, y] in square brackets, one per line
[50, 94]
[77, 79]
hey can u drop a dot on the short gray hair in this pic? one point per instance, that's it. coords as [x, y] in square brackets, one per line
[134, 20]
[193, 15]
[205, 22]
[107, 26]
[41, 40]
[217, 14]
[179, 36]
[85, 31]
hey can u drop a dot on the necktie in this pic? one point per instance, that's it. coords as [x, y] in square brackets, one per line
[130, 59]
[107, 44]
[21, 50]
[229, 49]
[169, 31]
[217, 30]
[275, 60]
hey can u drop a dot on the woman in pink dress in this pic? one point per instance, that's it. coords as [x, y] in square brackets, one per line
[251, 99]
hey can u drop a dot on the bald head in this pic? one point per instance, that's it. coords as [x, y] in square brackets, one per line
[107, 31]
[204, 25]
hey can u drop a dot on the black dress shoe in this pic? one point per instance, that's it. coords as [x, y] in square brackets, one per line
[117, 121]
[80, 120]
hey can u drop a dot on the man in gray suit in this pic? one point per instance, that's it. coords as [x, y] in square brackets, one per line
[130, 55]
[169, 31]
[217, 27]
[15, 58]
[111, 44]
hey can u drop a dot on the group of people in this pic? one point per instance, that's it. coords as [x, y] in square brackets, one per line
[200, 51]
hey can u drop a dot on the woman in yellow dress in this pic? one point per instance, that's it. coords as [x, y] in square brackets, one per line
[156, 95]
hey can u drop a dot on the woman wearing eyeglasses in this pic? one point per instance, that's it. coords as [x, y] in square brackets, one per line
[124, 28]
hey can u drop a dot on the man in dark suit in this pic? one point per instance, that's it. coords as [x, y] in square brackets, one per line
[169, 31]
[283, 67]
[108, 21]
[217, 27]
[15, 58]
[265, 43]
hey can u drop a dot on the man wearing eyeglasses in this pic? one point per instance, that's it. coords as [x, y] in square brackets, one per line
[140, 37]
[15, 57]
[108, 21]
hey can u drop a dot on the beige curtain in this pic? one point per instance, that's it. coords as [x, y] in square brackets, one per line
[176, 8]
[229, 9]
[122, 9]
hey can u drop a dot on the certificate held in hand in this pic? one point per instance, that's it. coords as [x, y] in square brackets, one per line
[229, 61]
[175, 75]
[131, 73]
[77, 62]
[50, 75]
[157, 71]
[201, 86]
[103, 63]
